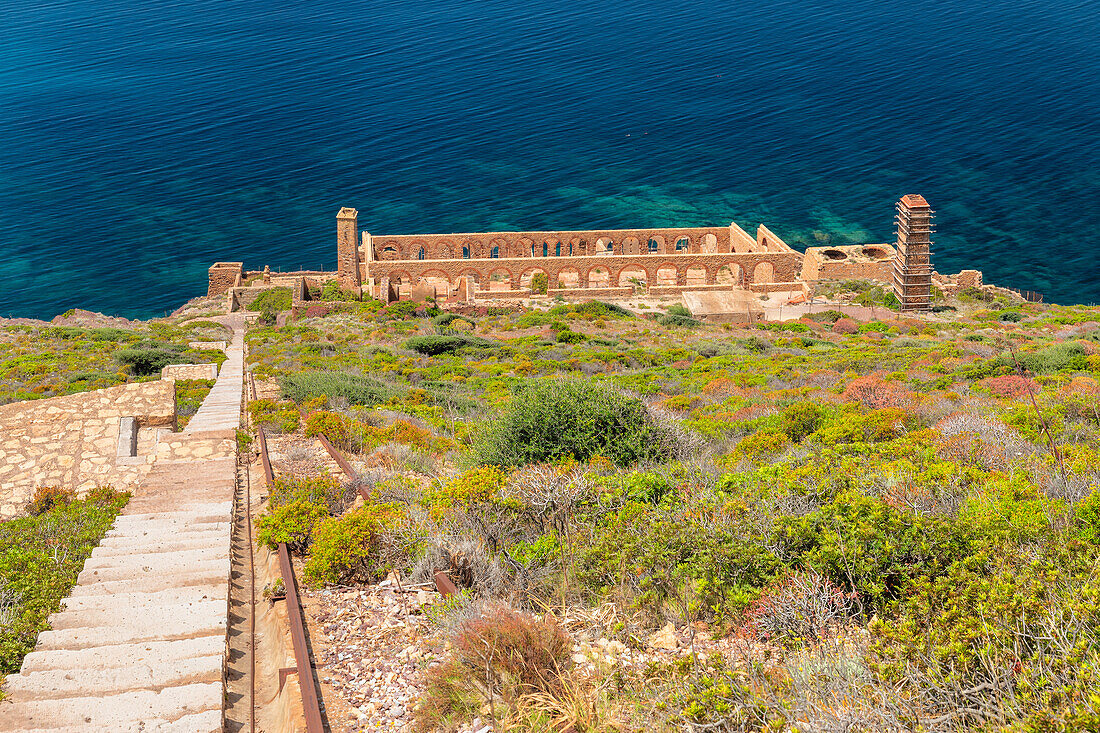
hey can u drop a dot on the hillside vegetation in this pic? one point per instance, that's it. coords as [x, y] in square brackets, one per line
[840, 526]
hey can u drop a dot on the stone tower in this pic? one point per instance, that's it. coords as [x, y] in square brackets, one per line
[347, 248]
[913, 263]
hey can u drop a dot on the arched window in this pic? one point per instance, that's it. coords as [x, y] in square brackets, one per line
[652, 246]
[545, 249]
[465, 253]
[557, 253]
[494, 252]
[683, 243]
[420, 254]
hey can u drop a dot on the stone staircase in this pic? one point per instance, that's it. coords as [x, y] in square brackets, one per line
[140, 644]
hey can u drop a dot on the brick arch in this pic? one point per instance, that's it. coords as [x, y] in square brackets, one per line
[528, 272]
[588, 274]
[383, 250]
[555, 278]
[477, 273]
[479, 250]
[513, 281]
[763, 272]
[443, 251]
[436, 273]
[659, 240]
[617, 277]
[687, 248]
[631, 246]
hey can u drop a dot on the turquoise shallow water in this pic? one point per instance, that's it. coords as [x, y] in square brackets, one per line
[140, 143]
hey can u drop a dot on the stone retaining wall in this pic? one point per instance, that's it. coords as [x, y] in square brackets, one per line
[74, 441]
[189, 371]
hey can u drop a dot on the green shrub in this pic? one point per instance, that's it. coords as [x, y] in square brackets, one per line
[352, 388]
[540, 282]
[653, 557]
[323, 490]
[292, 523]
[566, 336]
[678, 321]
[40, 557]
[275, 417]
[347, 549]
[333, 291]
[147, 361]
[801, 419]
[678, 309]
[592, 309]
[865, 545]
[548, 420]
[272, 299]
[446, 344]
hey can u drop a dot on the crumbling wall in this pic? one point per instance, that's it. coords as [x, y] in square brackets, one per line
[222, 276]
[850, 262]
[79, 441]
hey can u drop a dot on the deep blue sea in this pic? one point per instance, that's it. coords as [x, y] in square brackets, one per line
[142, 141]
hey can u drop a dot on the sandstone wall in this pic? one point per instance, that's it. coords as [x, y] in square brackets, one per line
[189, 371]
[222, 276]
[79, 441]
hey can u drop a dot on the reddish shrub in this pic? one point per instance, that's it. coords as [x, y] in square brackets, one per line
[876, 393]
[518, 652]
[801, 606]
[317, 311]
[845, 326]
[47, 497]
[1010, 385]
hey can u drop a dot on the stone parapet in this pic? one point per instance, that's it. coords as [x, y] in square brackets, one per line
[73, 441]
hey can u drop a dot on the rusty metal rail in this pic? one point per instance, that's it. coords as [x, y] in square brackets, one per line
[337, 456]
[311, 705]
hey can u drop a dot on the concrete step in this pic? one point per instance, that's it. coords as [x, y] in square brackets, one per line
[121, 614]
[183, 541]
[186, 623]
[202, 514]
[153, 560]
[154, 582]
[150, 566]
[206, 722]
[167, 653]
[58, 683]
[116, 712]
[151, 601]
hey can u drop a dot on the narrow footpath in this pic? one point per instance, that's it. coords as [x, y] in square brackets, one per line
[140, 644]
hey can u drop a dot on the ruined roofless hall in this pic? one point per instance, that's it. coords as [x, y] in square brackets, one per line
[571, 260]
[598, 263]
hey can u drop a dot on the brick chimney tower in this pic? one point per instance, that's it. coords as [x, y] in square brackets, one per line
[912, 262]
[347, 249]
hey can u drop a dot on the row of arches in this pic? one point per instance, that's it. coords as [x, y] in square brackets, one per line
[594, 276]
[522, 247]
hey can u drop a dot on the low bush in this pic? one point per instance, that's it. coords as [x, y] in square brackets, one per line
[40, 557]
[863, 544]
[353, 389]
[565, 336]
[291, 523]
[678, 321]
[47, 497]
[272, 299]
[348, 549]
[147, 361]
[435, 345]
[500, 657]
[548, 420]
[275, 417]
